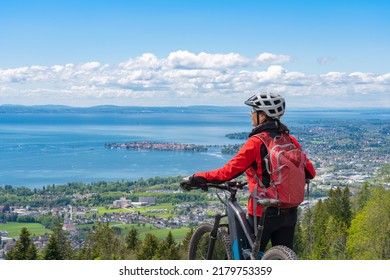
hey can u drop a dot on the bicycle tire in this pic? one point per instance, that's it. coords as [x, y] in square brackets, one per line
[279, 252]
[200, 240]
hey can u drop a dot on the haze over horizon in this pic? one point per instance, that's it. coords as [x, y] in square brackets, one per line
[181, 53]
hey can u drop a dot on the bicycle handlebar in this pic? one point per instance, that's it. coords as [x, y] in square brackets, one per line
[227, 186]
[230, 186]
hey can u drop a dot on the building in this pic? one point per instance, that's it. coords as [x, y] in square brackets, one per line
[148, 200]
[68, 221]
[122, 202]
[139, 204]
[68, 225]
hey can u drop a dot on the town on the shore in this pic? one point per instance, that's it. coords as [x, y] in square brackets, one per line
[144, 145]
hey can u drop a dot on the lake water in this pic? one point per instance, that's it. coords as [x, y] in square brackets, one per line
[54, 145]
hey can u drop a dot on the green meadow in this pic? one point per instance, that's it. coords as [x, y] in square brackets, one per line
[147, 210]
[143, 229]
[14, 228]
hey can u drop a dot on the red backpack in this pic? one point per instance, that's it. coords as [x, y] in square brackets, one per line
[285, 164]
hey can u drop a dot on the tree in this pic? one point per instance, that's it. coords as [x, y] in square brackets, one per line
[346, 213]
[336, 224]
[338, 205]
[6, 208]
[362, 197]
[320, 245]
[183, 248]
[148, 248]
[168, 249]
[307, 235]
[298, 239]
[336, 233]
[103, 244]
[52, 250]
[24, 248]
[324, 228]
[48, 221]
[170, 240]
[58, 246]
[132, 239]
[369, 234]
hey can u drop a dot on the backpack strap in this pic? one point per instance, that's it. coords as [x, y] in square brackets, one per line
[259, 184]
[264, 137]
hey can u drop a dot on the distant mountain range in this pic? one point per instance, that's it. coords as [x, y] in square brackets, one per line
[10, 108]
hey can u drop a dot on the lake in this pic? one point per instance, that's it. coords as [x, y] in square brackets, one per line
[44, 145]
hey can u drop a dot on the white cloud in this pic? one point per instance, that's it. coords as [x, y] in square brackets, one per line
[187, 60]
[273, 73]
[360, 77]
[269, 58]
[147, 60]
[385, 79]
[182, 78]
[89, 66]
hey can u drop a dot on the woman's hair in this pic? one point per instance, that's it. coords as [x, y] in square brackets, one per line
[283, 127]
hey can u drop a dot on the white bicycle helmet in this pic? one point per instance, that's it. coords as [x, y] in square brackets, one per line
[273, 105]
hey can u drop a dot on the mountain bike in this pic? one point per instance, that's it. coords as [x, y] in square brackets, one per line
[236, 239]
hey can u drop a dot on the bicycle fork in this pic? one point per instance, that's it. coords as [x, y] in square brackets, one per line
[213, 236]
[256, 245]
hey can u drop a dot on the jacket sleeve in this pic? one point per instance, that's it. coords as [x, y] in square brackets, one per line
[245, 157]
[310, 172]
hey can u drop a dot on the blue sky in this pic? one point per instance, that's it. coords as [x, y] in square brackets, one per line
[163, 53]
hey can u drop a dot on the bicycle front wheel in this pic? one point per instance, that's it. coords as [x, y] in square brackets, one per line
[279, 252]
[200, 241]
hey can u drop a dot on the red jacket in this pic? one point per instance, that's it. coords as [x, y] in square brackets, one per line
[249, 155]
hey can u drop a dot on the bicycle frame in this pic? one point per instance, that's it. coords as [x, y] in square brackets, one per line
[241, 233]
